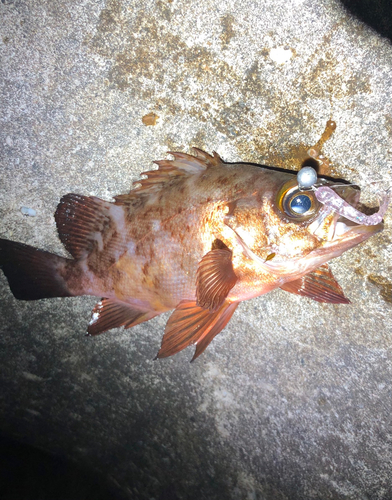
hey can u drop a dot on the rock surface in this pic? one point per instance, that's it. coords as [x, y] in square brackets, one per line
[293, 400]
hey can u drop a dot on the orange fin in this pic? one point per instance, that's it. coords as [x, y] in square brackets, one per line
[31, 273]
[319, 285]
[224, 318]
[209, 161]
[215, 278]
[192, 324]
[182, 165]
[85, 222]
[108, 314]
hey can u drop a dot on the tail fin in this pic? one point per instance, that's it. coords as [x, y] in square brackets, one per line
[32, 274]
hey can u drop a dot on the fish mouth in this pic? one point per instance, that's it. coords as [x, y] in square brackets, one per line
[336, 233]
[347, 234]
[350, 236]
[344, 233]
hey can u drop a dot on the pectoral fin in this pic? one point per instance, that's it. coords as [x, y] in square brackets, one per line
[192, 324]
[319, 285]
[108, 314]
[215, 278]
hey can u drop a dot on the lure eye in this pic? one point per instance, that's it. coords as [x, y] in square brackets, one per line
[297, 204]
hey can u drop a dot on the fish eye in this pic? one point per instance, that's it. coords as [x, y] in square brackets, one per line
[300, 204]
[296, 204]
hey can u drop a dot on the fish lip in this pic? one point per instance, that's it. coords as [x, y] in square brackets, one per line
[345, 230]
[361, 229]
[349, 193]
[335, 247]
[353, 235]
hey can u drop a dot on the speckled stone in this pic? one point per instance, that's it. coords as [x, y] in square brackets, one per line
[293, 400]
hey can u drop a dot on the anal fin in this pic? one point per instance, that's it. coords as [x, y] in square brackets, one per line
[319, 285]
[108, 314]
[192, 324]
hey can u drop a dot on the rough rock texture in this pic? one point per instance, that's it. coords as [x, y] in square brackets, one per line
[293, 400]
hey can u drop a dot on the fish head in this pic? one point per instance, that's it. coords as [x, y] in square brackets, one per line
[289, 233]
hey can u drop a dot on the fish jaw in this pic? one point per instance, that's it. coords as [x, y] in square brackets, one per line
[296, 268]
[351, 236]
[334, 234]
[343, 233]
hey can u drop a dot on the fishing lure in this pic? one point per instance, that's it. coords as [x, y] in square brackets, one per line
[307, 178]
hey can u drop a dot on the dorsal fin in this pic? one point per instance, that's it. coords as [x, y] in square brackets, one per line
[183, 164]
[207, 159]
[319, 285]
[84, 222]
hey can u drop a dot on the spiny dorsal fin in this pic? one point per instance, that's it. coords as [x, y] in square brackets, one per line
[319, 285]
[182, 165]
[191, 324]
[215, 278]
[210, 161]
[108, 314]
[84, 222]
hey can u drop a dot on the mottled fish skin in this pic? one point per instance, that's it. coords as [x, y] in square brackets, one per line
[197, 235]
[150, 252]
[156, 241]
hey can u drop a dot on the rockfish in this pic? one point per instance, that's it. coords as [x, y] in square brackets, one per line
[199, 236]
